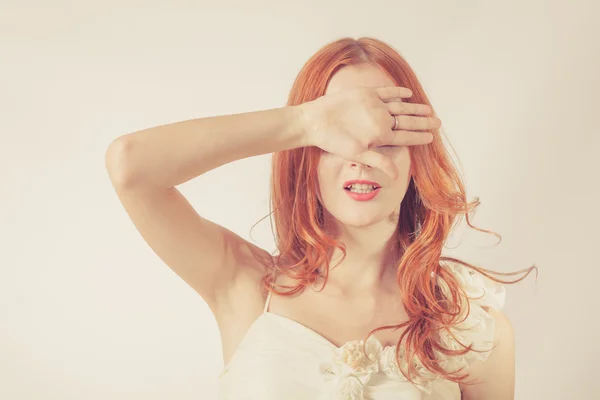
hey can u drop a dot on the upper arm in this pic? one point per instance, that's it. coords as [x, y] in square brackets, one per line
[496, 375]
[207, 256]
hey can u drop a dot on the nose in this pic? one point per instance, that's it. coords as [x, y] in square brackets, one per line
[353, 164]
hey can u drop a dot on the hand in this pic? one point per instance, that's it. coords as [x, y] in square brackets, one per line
[350, 122]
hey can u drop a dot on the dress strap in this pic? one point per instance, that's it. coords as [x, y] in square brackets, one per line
[268, 302]
[269, 295]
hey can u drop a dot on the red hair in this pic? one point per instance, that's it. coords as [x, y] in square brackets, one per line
[435, 198]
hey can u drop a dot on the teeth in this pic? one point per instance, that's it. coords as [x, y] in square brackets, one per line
[361, 188]
[361, 191]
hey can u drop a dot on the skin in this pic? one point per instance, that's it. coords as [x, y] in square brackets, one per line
[367, 228]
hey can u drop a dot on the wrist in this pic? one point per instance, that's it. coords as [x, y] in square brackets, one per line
[304, 120]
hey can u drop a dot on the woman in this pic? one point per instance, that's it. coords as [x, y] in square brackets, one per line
[359, 302]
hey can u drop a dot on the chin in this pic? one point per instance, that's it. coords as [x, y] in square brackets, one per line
[360, 220]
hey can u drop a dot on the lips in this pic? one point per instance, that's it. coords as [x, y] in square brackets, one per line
[348, 183]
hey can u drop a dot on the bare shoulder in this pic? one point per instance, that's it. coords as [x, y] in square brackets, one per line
[502, 322]
[495, 376]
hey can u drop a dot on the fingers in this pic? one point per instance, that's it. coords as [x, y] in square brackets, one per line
[393, 92]
[404, 114]
[418, 123]
[399, 108]
[409, 138]
[411, 128]
[378, 160]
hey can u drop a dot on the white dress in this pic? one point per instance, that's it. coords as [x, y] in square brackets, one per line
[281, 359]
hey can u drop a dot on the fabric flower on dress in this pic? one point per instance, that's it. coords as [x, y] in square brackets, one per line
[351, 354]
[390, 367]
[349, 369]
[350, 387]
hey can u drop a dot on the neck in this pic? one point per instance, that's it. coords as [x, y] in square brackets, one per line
[371, 258]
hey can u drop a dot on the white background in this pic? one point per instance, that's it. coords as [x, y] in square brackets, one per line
[87, 311]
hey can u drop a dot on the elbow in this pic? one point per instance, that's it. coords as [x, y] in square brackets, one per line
[118, 162]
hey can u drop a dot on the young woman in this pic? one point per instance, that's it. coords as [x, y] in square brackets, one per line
[358, 303]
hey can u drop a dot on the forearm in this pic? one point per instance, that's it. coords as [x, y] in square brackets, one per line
[171, 154]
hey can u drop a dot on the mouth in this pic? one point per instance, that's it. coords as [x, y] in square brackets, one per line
[362, 195]
[362, 190]
[361, 185]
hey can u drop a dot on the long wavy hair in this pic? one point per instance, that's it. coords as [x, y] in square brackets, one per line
[435, 200]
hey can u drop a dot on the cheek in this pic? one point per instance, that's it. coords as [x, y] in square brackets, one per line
[326, 168]
[327, 173]
[402, 160]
